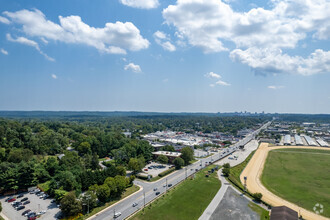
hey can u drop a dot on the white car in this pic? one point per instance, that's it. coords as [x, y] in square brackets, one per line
[42, 212]
[117, 214]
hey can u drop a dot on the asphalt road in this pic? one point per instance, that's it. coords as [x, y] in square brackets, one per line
[125, 207]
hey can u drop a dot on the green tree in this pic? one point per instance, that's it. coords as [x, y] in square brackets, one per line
[103, 193]
[0, 207]
[187, 154]
[59, 194]
[88, 200]
[84, 148]
[225, 171]
[162, 159]
[134, 165]
[226, 165]
[67, 180]
[257, 196]
[178, 162]
[2, 154]
[70, 206]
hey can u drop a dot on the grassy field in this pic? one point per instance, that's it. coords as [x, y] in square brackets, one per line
[301, 176]
[264, 214]
[236, 171]
[186, 201]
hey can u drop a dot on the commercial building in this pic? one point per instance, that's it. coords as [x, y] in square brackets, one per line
[310, 141]
[283, 212]
[298, 140]
[170, 155]
[287, 139]
[322, 143]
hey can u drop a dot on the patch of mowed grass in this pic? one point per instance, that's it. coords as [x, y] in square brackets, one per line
[187, 201]
[301, 176]
[263, 213]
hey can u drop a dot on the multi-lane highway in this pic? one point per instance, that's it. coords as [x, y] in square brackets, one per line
[150, 189]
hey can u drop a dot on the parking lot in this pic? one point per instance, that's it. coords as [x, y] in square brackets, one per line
[36, 205]
[155, 168]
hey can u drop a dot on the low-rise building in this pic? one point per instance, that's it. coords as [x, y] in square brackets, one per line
[170, 155]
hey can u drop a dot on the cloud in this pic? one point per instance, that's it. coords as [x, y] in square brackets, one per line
[222, 83]
[28, 42]
[142, 4]
[3, 51]
[4, 20]
[209, 24]
[165, 80]
[274, 61]
[133, 67]
[54, 76]
[275, 87]
[163, 40]
[114, 38]
[212, 75]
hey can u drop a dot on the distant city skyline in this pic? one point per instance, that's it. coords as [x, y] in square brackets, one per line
[165, 56]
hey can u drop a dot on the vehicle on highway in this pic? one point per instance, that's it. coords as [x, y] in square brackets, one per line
[169, 185]
[20, 207]
[164, 185]
[135, 204]
[117, 214]
[26, 202]
[157, 193]
[155, 189]
[26, 211]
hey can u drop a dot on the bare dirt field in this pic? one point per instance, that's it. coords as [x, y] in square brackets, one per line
[253, 173]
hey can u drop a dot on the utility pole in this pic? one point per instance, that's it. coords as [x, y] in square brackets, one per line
[186, 172]
[144, 199]
[114, 213]
[166, 185]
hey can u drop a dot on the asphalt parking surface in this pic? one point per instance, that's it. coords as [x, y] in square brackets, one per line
[155, 171]
[36, 205]
[234, 206]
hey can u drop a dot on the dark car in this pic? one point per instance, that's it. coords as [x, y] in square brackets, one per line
[20, 207]
[26, 202]
[157, 193]
[20, 196]
[169, 185]
[31, 214]
[16, 204]
[24, 199]
[26, 211]
[9, 198]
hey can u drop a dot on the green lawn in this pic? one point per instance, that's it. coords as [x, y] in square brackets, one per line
[187, 201]
[264, 214]
[236, 171]
[301, 176]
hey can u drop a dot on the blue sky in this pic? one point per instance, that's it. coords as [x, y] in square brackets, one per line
[166, 56]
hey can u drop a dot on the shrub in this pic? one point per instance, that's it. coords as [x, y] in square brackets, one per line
[166, 172]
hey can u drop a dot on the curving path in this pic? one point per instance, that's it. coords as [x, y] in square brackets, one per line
[253, 173]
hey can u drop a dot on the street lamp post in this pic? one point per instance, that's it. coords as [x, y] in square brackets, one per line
[186, 172]
[144, 199]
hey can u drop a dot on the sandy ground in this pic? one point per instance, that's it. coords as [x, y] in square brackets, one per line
[253, 173]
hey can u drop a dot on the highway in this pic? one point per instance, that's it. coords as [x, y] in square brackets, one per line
[125, 207]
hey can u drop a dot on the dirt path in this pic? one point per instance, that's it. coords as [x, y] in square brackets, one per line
[253, 173]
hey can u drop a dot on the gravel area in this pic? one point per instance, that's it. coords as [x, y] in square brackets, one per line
[234, 206]
[36, 205]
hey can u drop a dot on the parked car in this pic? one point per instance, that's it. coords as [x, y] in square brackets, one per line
[9, 198]
[20, 207]
[117, 214]
[12, 200]
[46, 196]
[16, 204]
[135, 204]
[24, 199]
[20, 196]
[41, 213]
[26, 211]
[157, 193]
[26, 202]
[31, 214]
[155, 189]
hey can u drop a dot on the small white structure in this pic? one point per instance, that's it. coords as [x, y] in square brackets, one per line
[287, 139]
[322, 143]
[298, 140]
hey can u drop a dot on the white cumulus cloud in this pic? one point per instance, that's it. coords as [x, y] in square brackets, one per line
[275, 87]
[114, 38]
[163, 40]
[222, 83]
[54, 76]
[143, 4]
[28, 42]
[133, 67]
[257, 33]
[3, 51]
[4, 20]
[212, 75]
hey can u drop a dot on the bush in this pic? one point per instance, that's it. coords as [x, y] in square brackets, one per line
[166, 172]
[226, 171]
[257, 196]
[143, 177]
[226, 165]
